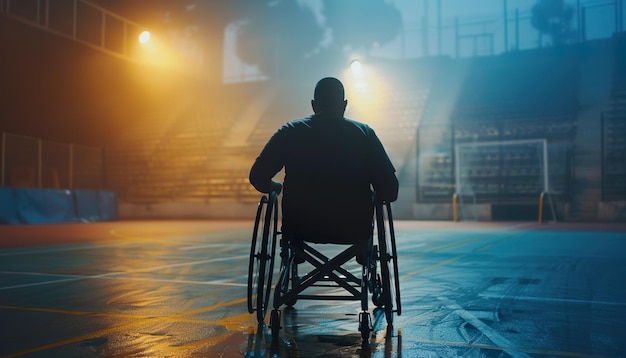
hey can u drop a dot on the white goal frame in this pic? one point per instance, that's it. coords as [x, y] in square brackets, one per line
[457, 162]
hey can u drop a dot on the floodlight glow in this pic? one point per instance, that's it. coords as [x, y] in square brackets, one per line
[144, 37]
[355, 67]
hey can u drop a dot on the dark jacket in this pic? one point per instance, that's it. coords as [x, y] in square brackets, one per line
[331, 165]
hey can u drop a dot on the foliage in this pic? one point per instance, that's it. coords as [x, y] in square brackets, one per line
[281, 35]
[554, 18]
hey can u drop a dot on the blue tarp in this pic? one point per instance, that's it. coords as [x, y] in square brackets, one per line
[46, 206]
[87, 207]
[107, 204]
[8, 207]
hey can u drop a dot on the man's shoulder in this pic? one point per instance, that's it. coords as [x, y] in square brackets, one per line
[311, 122]
[356, 123]
[298, 122]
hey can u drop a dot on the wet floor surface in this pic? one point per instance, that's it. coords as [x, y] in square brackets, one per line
[178, 289]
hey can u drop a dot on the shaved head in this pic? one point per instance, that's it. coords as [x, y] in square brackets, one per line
[329, 95]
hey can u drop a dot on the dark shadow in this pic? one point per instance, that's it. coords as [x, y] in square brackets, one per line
[293, 343]
[259, 343]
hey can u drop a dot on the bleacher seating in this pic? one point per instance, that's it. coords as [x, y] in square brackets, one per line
[503, 99]
[182, 162]
[505, 87]
[506, 98]
[614, 121]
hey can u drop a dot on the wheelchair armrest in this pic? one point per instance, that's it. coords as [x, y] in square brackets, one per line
[276, 187]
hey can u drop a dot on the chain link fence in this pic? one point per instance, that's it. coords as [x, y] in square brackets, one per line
[29, 162]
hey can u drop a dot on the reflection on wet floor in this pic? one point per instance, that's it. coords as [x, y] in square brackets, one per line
[334, 343]
[476, 291]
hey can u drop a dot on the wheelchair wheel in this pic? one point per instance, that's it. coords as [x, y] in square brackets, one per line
[394, 255]
[275, 325]
[287, 281]
[262, 254]
[377, 294]
[374, 280]
[389, 284]
[365, 327]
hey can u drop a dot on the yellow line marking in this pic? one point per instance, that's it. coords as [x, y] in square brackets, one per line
[143, 321]
[117, 315]
[454, 244]
[84, 337]
[434, 266]
[456, 258]
[238, 321]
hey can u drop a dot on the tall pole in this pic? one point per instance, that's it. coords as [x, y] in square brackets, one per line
[516, 29]
[71, 166]
[425, 30]
[456, 36]
[506, 27]
[578, 21]
[3, 160]
[39, 163]
[621, 15]
[439, 28]
[74, 18]
[583, 24]
[618, 15]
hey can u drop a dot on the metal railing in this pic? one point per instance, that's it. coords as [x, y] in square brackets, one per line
[30, 162]
[80, 21]
[105, 31]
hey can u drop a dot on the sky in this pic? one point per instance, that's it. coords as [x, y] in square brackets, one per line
[478, 17]
[481, 29]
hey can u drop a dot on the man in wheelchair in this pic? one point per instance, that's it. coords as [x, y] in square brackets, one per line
[331, 163]
[337, 174]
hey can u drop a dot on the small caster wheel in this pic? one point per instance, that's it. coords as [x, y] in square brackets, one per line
[275, 325]
[377, 299]
[365, 327]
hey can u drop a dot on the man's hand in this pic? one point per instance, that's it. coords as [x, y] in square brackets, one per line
[277, 187]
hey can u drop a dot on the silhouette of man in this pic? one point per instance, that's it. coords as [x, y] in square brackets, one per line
[331, 163]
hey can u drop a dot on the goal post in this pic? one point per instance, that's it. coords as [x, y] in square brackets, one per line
[507, 170]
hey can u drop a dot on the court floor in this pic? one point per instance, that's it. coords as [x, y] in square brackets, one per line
[178, 289]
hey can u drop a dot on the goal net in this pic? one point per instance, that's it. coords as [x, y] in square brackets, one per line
[502, 170]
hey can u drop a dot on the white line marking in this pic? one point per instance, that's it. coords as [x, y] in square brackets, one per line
[116, 276]
[56, 249]
[550, 299]
[112, 274]
[191, 263]
[413, 245]
[224, 282]
[93, 247]
[212, 246]
[489, 332]
[38, 274]
[222, 234]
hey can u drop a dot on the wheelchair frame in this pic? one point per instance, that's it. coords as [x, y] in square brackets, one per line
[384, 287]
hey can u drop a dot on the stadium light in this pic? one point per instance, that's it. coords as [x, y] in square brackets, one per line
[356, 69]
[366, 90]
[144, 37]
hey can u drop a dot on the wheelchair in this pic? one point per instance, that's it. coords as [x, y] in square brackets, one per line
[378, 278]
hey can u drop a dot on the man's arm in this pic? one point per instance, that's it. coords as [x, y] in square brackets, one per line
[267, 164]
[383, 173]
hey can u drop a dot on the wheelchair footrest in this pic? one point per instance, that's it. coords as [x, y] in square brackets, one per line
[332, 286]
[328, 298]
